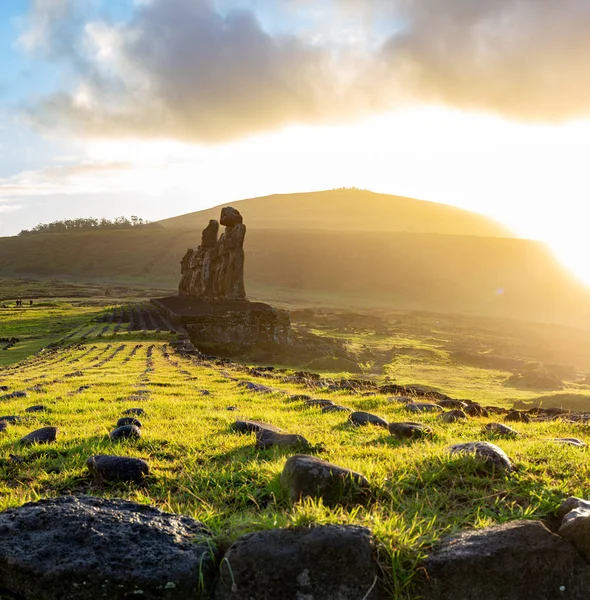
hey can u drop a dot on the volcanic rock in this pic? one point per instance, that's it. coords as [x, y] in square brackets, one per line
[307, 476]
[332, 562]
[520, 560]
[118, 468]
[45, 435]
[84, 548]
[409, 430]
[364, 418]
[488, 454]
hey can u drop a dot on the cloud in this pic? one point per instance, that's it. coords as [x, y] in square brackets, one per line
[190, 70]
[60, 179]
[180, 69]
[8, 208]
[526, 59]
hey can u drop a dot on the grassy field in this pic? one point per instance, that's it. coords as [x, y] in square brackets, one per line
[201, 467]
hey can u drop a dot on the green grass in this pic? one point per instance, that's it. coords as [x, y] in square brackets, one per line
[201, 468]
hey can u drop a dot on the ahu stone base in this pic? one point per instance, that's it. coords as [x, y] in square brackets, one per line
[229, 325]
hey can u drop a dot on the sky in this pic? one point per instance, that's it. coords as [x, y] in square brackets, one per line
[157, 108]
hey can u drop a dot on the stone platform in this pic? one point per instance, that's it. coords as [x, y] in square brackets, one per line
[232, 324]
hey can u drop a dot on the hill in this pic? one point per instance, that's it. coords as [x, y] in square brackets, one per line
[433, 271]
[349, 210]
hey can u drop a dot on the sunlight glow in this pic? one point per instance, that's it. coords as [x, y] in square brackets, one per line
[529, 177]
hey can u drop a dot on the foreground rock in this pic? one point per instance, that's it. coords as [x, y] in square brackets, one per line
[521, 560]
[307, 476]
[488, 454]
[409, 430]
[335, 408]
[334, 562]
[125, 432]
[118, 468]
[452, 416]
[500, 429]
[364, 418]
[575, 525]
[129, 421]
[82, 548]
[45, 435]
[267, 439]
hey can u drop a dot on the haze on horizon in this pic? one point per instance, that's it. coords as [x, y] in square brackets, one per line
[163, 107]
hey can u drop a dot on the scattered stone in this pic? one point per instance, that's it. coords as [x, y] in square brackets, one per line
[118, 468]
[418, 407]
[35, 409]
[129, 421]
[475, 410]
[453, 416]
[364, 418]
[256, 387]
[299, 397]
[315, 402]
[134, 411]
[520, 560]
[14, 395]
[500, 429]
[569, 441]
[267, 439]
[335, 408]
[575, 526]
[11, 418]
[409, 430]
[232, 408]
[486, 453]
[4, 388]
[451, 403]
[495, 410]
[572, 503]
[204, 392]
[254, 427]
[45, 435]
[516, 416]
[83, 548]
[125, 432]
[3, 426]
[308, 476]
[331, 562]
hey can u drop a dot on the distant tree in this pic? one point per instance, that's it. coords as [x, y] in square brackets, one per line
[89, 223]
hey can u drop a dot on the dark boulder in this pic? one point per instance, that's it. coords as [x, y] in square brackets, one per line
[452, 403]
[488, 454]
[333, 562]
[409, 430]
[569, 442]
[307, 476]
[500, 429]
[516, 416]
[129, 421]
[139, 412]
[253, 427]
[125, 432]
[364, 418]
[521, 560]
[118, 468]
[452, 416]
[267, 439]
[475, 410]
[45, 435]
[83, 548]
[3, 426]
[35, 409]
[11, 418]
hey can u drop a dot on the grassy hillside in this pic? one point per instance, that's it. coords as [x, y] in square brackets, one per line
[202, 468]
[477, 275]
[348, 210]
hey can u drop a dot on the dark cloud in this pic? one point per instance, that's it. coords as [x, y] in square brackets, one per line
[185, 69]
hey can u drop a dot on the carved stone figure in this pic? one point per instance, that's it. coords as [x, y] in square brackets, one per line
[215, 270]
